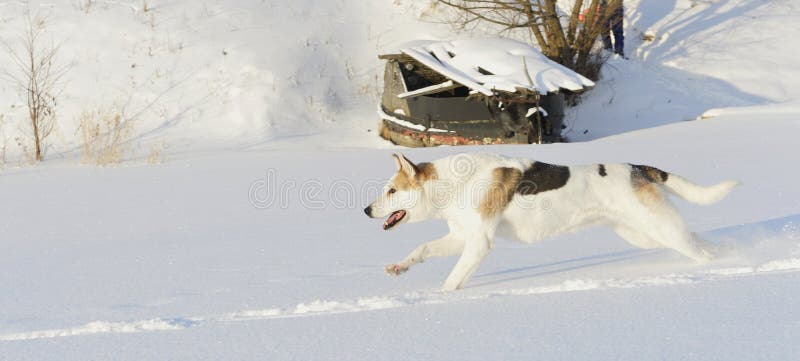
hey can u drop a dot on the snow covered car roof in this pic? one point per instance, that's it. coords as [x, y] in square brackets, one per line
[486, 65]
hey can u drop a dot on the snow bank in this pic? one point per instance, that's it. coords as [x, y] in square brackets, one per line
[202, 75]
[704, 55]
[241, 74]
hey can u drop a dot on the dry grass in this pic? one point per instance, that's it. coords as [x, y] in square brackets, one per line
[3, 141]
[157, 154]
[104, 136]
[84, 5]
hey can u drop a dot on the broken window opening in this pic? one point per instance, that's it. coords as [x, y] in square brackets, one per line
[418, 76]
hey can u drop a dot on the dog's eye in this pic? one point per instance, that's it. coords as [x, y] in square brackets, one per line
[392, 190]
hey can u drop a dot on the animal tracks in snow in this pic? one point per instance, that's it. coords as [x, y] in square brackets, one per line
[760, 248]
[329, 307]
[95, 327]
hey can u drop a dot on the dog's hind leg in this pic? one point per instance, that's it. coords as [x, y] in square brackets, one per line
[665, 226]
[449, 245]
[652, 215]
[636, 238]
[683, 242]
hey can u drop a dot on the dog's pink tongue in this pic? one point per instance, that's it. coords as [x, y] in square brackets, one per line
[393, 218]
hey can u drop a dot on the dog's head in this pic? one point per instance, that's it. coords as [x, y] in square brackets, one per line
[403, 198]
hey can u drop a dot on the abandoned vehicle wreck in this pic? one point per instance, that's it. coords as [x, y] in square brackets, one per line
[474, 91]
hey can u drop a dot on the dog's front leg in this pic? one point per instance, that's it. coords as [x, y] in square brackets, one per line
[475, 250]
[449, 245]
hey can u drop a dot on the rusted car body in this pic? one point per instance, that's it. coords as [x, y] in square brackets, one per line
[420, 106]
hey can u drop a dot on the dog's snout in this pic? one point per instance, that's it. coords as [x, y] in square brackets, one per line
[368, 211]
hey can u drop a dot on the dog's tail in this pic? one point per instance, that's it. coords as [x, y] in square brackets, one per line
[696, 193]
[680, 186]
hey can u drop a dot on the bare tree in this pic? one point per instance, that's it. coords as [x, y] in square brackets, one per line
[39, 78]
[562, 37]
[3, 140]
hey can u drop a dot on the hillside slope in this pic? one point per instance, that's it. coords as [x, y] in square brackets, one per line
[232, 74]
[204, 75]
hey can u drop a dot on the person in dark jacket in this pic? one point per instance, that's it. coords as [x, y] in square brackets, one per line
[614, 26]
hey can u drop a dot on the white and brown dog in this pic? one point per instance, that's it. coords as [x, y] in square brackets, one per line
[483, 196]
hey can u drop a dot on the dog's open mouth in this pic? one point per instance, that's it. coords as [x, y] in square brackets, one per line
[394, 219]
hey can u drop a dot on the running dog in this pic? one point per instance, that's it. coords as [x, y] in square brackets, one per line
[484, 196]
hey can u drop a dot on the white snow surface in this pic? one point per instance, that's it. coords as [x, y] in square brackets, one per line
[249, 241]
[511, 65]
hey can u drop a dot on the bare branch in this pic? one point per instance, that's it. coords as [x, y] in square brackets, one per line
[38, 79]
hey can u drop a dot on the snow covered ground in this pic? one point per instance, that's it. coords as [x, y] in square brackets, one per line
[185, 260]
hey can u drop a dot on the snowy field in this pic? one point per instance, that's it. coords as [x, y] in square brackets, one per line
[249, 240]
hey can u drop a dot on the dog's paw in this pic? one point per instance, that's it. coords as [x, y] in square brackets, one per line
[395, 269]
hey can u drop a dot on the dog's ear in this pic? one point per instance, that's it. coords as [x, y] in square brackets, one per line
[405, 165]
